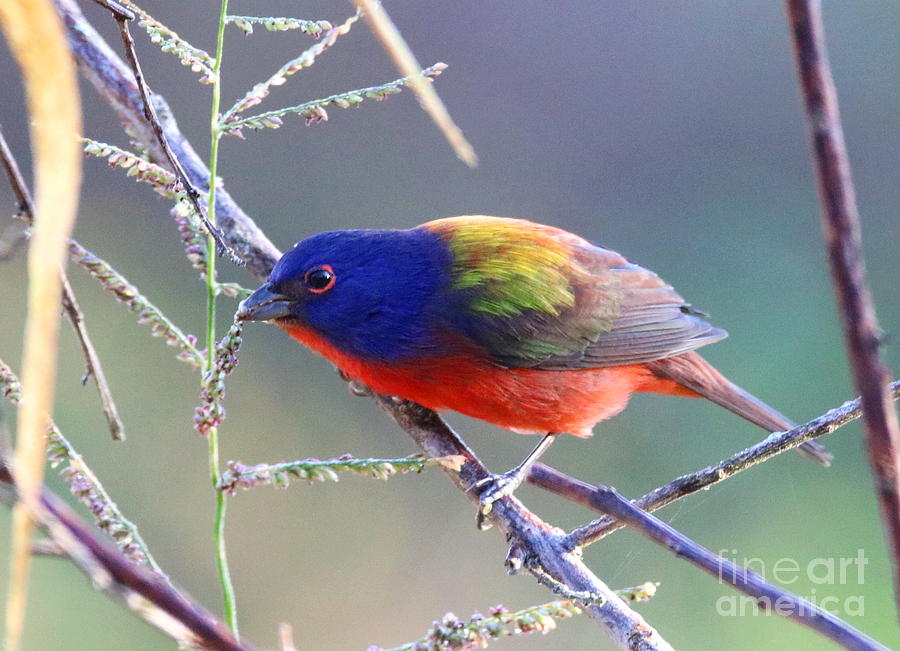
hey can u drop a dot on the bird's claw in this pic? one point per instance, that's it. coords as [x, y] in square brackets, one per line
[491, 489]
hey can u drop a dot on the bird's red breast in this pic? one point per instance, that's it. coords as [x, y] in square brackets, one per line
[526, 401]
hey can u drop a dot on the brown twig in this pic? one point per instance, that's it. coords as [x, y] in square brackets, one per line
[843, 236]
[685, 485]
[770, 598]
[146, 593]
[69, 302]
[92, 362]
[149, 112]
[118, 10]
[24, 204]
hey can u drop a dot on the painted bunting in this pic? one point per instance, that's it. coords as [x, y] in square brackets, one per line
[523, 325]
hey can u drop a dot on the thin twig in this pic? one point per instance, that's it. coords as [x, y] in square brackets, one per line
[395, 45]
[70, 304]
[144, 592]
[115, 83]
[843, 236]
[13, 240]
[769, 597]
[24, 203]
[314, 110]
[47, 548]
[92, 362]
[118, 10]
[769, 447]
[150, 115]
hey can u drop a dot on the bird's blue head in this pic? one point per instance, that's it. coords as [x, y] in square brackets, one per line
[370, 293]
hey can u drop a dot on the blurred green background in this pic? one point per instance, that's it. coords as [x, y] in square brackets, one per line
[671, 132]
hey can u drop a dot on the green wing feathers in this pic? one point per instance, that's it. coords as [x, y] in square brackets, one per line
[540, 297]
[514, 270]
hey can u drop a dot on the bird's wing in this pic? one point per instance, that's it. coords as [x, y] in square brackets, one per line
[533, 296]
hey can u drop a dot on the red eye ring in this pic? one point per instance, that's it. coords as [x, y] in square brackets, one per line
[320, 279]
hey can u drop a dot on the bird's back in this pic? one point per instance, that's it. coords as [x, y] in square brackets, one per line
[534, 296]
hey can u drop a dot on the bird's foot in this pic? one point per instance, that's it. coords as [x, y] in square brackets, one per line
[493, 488]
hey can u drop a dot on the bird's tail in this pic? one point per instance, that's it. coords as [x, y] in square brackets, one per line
[693, 372]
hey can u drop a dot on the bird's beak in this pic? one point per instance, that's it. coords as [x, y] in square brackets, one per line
[264, 305]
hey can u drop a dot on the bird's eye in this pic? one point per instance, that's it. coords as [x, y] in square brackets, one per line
[320, 279]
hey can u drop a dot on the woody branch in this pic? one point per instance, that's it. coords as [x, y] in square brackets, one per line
[843, 239]
[150, 596]
[685, 485]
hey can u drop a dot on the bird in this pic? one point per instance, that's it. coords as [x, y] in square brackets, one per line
[520, 324]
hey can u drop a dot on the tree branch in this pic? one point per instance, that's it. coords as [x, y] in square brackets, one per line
[843, 236]
[769, 597]
[685, 485]
[532, 538]
[143, 591]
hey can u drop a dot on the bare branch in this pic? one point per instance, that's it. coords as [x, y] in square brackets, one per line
[843, 236]
[46, 547]
[533, 539]
[769, 597]
[24, 202]
[685, 485]
[118, 10]
[145, 593]
[92, 362]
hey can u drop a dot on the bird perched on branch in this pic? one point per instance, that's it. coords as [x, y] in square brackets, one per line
[519, 324]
